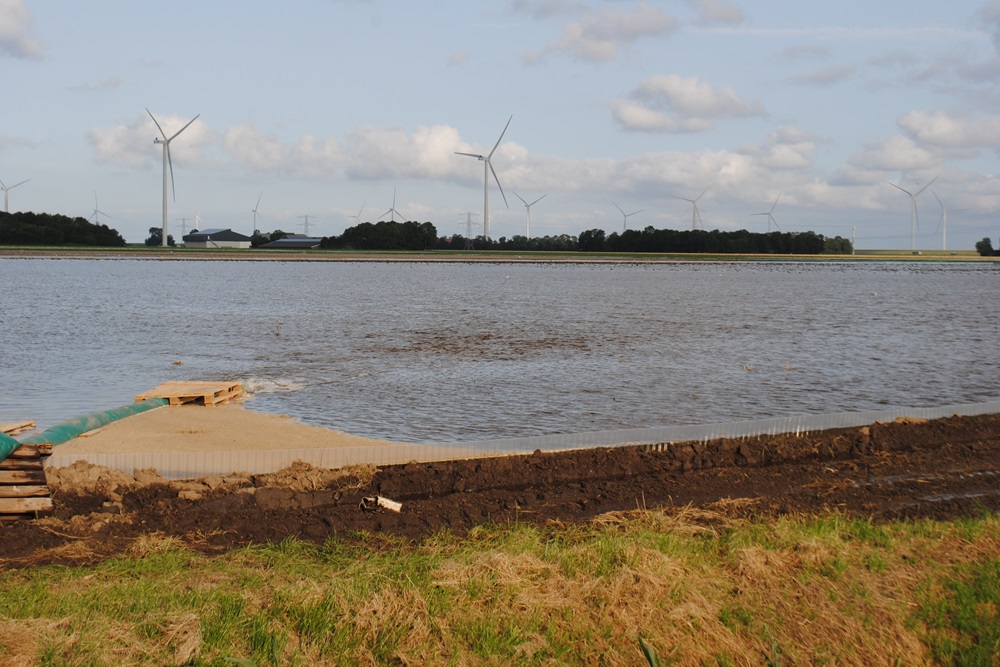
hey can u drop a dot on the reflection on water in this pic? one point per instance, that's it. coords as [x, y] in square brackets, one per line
[446, 352]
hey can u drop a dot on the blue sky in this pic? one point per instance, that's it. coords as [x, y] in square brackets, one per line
[322, 107]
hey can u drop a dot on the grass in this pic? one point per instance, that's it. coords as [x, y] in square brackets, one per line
[682, 587]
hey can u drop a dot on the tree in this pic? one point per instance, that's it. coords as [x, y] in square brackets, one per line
[156, 237]
[591, 240]
[985, 247]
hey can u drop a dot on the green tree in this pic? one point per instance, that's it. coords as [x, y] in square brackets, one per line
[156, 237]
[985, 247]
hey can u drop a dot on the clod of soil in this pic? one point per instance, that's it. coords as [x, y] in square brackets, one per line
[944, 468]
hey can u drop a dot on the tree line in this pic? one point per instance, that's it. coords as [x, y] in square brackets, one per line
[664, 241]
[27, 228]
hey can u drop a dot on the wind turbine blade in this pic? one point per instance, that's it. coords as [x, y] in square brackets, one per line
[539, 199]
[183, 128]
[702, 194]
[938, 198]
[498, 181]
[521, 198]
[171, 163]
[690, 201]
[639, 211]
[162, 133]
[501, 137]
[21, 183]
[257, 205]
[475, 155]
[926, 186]
[901, 189]
[775, 201]
[619, 208]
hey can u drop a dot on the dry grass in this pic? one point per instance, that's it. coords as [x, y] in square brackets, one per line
[700, 586]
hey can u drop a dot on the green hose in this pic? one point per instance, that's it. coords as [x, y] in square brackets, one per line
[72, 428]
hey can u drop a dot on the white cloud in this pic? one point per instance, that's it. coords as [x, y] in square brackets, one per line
[131, 143]
[894, 154]
[989, 16]
[671, 103]
[952, 131]
[787, 148]
[17, 28]
[712, 12]
[600, 37]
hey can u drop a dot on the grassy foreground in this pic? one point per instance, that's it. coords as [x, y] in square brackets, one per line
[697, 587]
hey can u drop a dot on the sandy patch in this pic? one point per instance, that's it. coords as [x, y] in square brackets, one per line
[196, 428]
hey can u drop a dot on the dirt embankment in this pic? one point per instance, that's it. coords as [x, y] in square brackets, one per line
[943, 468]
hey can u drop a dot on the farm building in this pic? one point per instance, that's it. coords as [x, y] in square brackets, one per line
[216, 238]
[293, 242]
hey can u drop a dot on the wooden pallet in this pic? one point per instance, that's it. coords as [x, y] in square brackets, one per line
[24, 491]
[201, 393]
[17, 427]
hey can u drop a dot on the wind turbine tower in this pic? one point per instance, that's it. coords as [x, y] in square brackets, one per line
[95, 216]
[167, 161]
[487, 168]
[770, 215]
[695, 213]
[626, 216]
[527, 223]
[255, 215]
[914, 219]
[392, 211]
[6, 194]
[944, 221]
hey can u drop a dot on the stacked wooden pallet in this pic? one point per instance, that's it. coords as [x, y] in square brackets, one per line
[24, 493]
[203, 393]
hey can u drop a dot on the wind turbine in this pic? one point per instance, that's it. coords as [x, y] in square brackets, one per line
[98, 212]
[255, 215]
[944, 221]
[357, 218]
[625, 216]
[392, 210]
[914, 219]
[770, 217]
[695, 213]
[487, 168]
[167, 161]
[6, 196]
[527, 224]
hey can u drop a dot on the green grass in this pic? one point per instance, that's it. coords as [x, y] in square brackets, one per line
[696, 587]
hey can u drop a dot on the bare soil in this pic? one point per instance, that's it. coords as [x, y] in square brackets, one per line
[945, 469]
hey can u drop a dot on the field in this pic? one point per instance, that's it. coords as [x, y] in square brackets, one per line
[875, 545]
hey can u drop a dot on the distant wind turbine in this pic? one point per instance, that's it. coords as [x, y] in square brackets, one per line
[167, 161]
[914, 219]
[487, 168]
[6, 194]
[392, 210]
[357, 218]
[944, 220]
[527, 223]
[770, 215]
[626, 216]
[695, 213]
[98, 212]
[256, 216]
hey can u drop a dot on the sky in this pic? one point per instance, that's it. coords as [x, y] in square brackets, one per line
[323, 113]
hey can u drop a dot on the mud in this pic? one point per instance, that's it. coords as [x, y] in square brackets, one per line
[945, 468]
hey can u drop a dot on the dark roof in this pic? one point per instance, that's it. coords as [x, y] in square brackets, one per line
[293, 242]
[214, 235]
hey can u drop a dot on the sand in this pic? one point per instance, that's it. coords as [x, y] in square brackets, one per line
[196, 428]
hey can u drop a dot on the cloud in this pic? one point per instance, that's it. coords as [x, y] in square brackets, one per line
[712, 12]
[458, 59]
[824, 77]
[787, 148]
[897, 153]
[949, 131]
[671, 103]
[17, 28]
[989, 17]
[600, 37]
[109, 83]
[543, 9]
[131, 143]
